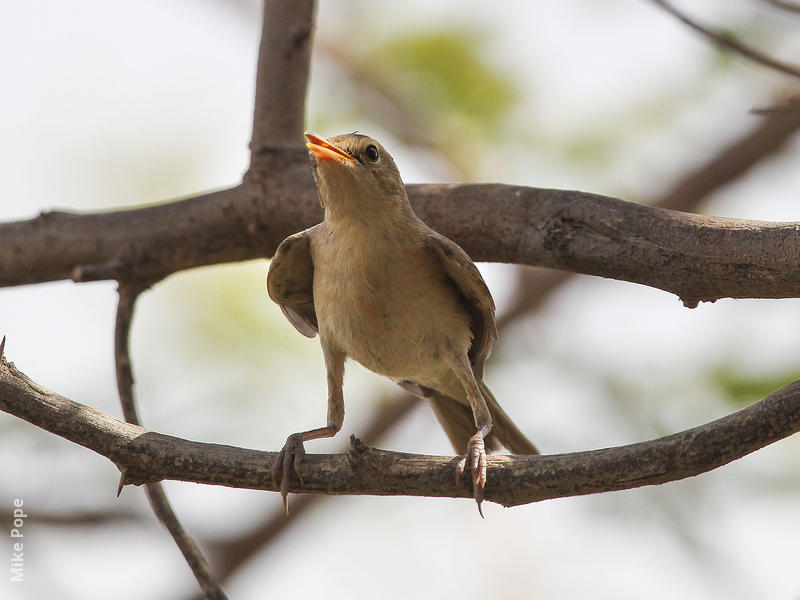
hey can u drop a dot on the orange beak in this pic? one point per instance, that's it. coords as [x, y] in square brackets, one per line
[324, 150]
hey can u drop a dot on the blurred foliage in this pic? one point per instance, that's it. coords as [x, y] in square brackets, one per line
[434, 90]
[740, 389]
[226, 310]
[599, 144]
[446, 75]
[438, 90]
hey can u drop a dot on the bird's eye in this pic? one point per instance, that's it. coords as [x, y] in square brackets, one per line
[372, 152]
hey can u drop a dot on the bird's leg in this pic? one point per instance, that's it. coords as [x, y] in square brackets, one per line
[292, 453]
[475, 457]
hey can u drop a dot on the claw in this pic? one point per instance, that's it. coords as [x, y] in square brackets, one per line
[475, 460]
[291, 455]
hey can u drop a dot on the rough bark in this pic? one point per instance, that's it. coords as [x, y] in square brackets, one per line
[147, 456]
[696, 257]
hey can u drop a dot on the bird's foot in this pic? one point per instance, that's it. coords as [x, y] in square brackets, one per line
[290, 456]
[475, 461]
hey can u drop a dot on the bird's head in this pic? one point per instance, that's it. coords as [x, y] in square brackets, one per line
[354, 171]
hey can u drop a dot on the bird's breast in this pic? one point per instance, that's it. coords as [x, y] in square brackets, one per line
[391, 309]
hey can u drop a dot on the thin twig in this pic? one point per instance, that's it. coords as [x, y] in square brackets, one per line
[789, 6]
[769, 136]
[128, 293]
[786, 108]
[730, 42]
[81, 518]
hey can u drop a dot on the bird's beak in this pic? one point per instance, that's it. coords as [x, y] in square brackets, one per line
[324, 150]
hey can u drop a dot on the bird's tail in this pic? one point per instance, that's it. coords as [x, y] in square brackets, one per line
[459, 425]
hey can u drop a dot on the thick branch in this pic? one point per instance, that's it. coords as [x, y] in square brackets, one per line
[151, 243]
[698, 258]
[284, 60]
[148, 456]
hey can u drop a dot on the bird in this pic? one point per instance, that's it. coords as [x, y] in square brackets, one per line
[382, 288]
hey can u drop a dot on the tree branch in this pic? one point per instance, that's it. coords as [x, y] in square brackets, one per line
[790, 6]
[513, 480]
[284, 60]
[730, 42]
[734, 161]
[128, 293]
[699, 258]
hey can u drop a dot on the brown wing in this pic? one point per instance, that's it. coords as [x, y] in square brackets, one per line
[290, 282]
[477, 298]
